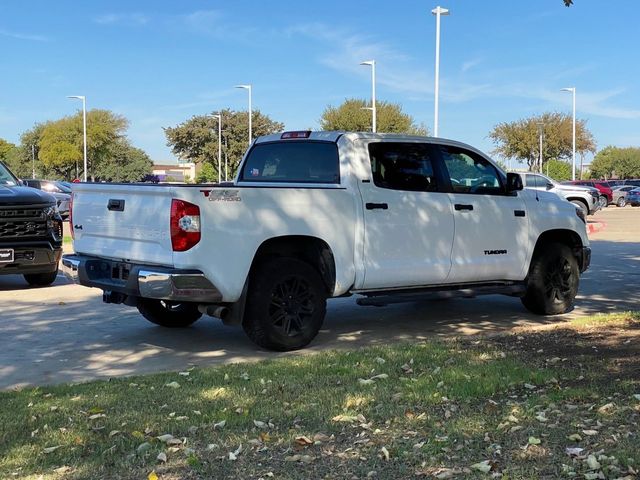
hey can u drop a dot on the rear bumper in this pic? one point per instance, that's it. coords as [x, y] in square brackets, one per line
[146, 281]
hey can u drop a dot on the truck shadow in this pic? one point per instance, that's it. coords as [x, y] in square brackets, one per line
[66, 333]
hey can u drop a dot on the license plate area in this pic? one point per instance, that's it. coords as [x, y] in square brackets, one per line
[6, 255]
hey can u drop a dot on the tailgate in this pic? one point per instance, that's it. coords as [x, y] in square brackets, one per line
[123, 222]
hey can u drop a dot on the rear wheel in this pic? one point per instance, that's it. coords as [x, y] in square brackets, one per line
[603, 201]
[622, 201]
[168, 314]
[41, 279]
[286, 304]
[553, 280]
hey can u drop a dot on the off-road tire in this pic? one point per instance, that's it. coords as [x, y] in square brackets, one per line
[41, 279]
[286, 304]
[552, 283]
[168, 314]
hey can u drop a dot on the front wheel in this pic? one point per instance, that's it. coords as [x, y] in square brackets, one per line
[582, 206]
[622, 201]
[41, 279]
[286, 304]
[168, 314]
[552, 284]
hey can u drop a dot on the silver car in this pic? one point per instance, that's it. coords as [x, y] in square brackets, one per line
[60, 191]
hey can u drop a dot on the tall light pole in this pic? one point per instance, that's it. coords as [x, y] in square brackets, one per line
[84, 129]
[438, 11]
[248, 87]
[218, 117]
[372, 63]
[573, 152]
[540, 133]
[33, 161]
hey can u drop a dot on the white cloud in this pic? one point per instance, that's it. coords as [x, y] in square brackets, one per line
[469, 64]
[123, 19]
[23, 36]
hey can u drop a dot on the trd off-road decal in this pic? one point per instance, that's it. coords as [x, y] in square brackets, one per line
[222, 195]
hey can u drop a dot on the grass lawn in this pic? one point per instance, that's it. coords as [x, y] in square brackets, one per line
[561, 402]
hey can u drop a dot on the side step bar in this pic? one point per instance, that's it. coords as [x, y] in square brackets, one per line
[380, 299]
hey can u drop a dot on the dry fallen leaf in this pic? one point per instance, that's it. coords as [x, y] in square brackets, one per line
[593, 462]
[534, 441]
[234, 455]
[152, 476]
[303, 440]
[368, 381]
[484, 466]
[220, 424]
[162, 457]
[51, 449]
[385, 453]
[590, 432]
[172, 385]
[259, 424]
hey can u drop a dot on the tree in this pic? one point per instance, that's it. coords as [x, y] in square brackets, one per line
[558, 170]
[207, 174]
[124, 164]
[352, 116]
[61, 141]
[616, 162]
[5, 148]
[520, 139]
[196, 139]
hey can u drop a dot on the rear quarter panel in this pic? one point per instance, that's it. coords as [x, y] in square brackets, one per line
[235, 221]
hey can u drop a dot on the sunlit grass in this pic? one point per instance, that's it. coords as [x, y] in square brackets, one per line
[439, 404]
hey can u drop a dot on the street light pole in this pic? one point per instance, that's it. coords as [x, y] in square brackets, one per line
[218, 117]
[438, 11]
[84, 129]
[372, 63]
[248, 87]
[540, 133]
[573, 150]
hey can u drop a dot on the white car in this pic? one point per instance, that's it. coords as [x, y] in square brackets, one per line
[315, 215]
[584, 197]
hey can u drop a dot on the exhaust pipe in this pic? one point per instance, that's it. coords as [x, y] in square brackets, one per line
[217, 311]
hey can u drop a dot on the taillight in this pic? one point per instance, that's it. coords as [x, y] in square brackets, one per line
[185, 225]
[73, 237]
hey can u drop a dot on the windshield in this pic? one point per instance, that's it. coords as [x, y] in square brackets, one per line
[6, 177]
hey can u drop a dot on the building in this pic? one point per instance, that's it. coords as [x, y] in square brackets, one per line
[176, 172]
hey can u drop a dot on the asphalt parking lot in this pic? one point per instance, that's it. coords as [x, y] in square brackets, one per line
[65, 333]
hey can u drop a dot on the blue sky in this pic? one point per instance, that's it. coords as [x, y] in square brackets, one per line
[160, 62]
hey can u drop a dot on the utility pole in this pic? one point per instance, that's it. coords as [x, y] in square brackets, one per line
[33, 161]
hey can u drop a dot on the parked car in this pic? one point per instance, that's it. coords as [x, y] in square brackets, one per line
[606, 195]
[315, 215]
[633, 197]
[30, 231]
[620, 194]
[583, 197]
[60, 191]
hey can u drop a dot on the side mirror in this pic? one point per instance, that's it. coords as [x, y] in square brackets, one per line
[514, 182]
[549, 186]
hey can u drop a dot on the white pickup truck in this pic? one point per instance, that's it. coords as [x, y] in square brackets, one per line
[314, 215]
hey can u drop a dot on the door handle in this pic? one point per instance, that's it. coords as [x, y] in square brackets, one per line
[519, 213]
[115, 205]
[461, 206]
[376, 206]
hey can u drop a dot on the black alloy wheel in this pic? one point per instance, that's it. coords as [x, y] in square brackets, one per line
[286, 304]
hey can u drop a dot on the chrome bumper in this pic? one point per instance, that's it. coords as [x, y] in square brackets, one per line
[162, 283]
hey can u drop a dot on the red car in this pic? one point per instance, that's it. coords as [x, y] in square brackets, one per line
[606, 194]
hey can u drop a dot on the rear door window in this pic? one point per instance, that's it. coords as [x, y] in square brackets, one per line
[292, 162]
[402, 166]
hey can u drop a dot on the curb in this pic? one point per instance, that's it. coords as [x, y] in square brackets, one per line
[595, 227]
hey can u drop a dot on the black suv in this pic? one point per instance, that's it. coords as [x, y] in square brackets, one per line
[30, 231]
